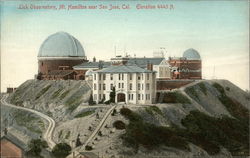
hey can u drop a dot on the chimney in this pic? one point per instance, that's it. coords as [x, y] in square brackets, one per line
[150, 66]
[94, 59]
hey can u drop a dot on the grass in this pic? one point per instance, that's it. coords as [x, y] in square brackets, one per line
[153, 109]
[44, 90]
[63, 95]
[175, 97]
[85, 113]
[203, 87]
[56, 94]
[119, 125]
[60, 134]
[207, 132]
[67, 135]
[191, 90]
[32, 123]
[73, 102]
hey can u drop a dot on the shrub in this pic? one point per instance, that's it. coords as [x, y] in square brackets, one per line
[113, 112]
[44, 90]
[61, 150]
[219, 87]
[119, 124]
[227, 88]
[175, 97]
[203, 87]
[107, 102]
[152, 109]
[85, 113]
[36, 146]
[88, 147]
[91, 101]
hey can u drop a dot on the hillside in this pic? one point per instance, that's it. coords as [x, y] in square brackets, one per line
[207, 118]
[57, 99]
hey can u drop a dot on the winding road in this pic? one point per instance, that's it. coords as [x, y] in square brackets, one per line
[49, 132]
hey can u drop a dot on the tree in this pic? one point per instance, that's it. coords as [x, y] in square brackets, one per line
[112, 95]
[78, 142]
[36, 146]
[91, 101]
[61, 150]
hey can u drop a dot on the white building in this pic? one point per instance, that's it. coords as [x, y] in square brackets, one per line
[133, 84]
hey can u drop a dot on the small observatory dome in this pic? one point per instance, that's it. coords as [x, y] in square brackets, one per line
[61, 44]
[192, 54]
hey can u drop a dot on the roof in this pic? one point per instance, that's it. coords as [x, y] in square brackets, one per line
[124, 69]
[61, 44]
[60, 72]
[11, 138]
[142, 62]
[192, 54]
[92, 65]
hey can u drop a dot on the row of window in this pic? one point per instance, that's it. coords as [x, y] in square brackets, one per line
[121, 85]
[120, 76]
[130, 97]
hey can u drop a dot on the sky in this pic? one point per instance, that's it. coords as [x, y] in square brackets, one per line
[218, 30]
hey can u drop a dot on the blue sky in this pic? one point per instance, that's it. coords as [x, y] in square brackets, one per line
[217, 29]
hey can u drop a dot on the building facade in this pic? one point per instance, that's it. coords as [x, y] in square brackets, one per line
[132, 84]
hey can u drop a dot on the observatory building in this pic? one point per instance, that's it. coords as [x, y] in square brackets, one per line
[186, 67]
[57, 56]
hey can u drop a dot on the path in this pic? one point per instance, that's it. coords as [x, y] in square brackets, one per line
[100, 125]
[49, 132]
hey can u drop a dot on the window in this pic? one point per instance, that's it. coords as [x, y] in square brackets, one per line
[139, 97]
[148, 96]
[130, 86]
[119, 85]
[104, 87]
[139, 86]
[111, 76]
[111, 86]
[139, 77]
[132, 96]
[129, 97]
[147, 86]
[142, 86]
[95, 96]
[103, 97]
[94, 86]
[119, 76]
[142, 76]
[122, 76]
[100, 77]
[104, 76]
[147, 76]
[130, 76]
[122, 85]
[100, 87]
[95, 77]
[100, 96]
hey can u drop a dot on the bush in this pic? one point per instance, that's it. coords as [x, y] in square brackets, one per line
[175, 97]
[85, 113]
[61, 150]
[36, 146]
[88, 147]
[107, 102]
[152, 109]
[119, 124]
[113, 112]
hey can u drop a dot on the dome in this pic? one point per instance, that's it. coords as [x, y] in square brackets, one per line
[192, 54]
[61, 44]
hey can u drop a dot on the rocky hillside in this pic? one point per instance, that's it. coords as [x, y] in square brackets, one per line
[208, 118]
[203, 119]
[58, 99]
